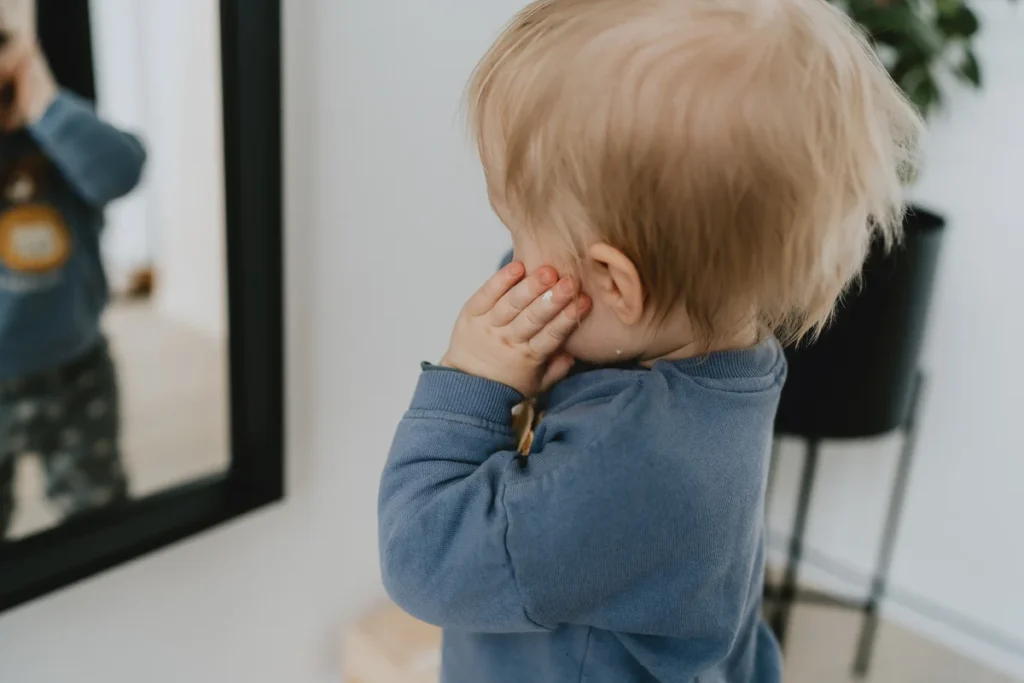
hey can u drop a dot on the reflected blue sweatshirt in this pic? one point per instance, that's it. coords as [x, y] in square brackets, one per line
[56, 177]
[628, 547]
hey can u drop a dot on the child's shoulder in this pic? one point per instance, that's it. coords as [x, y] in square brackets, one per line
[675, 420]
[592, 391]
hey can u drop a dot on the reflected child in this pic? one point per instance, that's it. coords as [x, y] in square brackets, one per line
[60, 165]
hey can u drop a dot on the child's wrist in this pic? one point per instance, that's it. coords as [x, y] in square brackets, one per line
[478, 368]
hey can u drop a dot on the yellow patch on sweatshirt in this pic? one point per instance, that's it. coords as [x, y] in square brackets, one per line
[33, 239]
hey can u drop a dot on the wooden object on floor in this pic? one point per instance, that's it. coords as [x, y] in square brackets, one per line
[389, 646]
[140, 284]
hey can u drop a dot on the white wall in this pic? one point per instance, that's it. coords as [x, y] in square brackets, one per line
[388, 229]
[960, 549]
[129, 236]
[181, 67]
[158, 73]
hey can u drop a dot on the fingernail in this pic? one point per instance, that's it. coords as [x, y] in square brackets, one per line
[516, 269]
[547, 277]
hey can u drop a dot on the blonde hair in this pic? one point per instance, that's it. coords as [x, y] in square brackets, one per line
[742, 153]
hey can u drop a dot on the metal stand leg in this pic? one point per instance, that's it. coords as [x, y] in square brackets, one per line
[788, 589]
[879, 584]
[773, 466]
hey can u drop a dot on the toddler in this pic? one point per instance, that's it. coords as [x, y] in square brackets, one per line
[687, 183]
[59, 167]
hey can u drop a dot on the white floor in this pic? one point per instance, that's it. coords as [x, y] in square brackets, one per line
[174, 409]
[822, 643]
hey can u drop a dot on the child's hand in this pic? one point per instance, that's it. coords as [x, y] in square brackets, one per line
[513, 329]
[27, 87]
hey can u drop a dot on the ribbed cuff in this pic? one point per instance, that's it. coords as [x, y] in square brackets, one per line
[451, 391]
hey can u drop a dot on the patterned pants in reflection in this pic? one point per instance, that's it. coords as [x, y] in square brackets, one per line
[70, 419]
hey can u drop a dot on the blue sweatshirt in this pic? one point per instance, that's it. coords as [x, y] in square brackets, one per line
[628, 547]
[55, 179]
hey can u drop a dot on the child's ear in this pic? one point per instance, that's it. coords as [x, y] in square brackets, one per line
[615, 282]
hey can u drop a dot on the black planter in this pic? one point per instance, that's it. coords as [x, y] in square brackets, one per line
[856, 380]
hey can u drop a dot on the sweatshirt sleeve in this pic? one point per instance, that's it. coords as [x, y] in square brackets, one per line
[442, 521]
[100, 162]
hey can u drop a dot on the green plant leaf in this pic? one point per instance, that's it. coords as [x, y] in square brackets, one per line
[969, 69]
[961, 24]
[922, 88]
[922, 41]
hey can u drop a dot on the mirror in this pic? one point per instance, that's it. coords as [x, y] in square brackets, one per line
[113, 364]
[127, 183]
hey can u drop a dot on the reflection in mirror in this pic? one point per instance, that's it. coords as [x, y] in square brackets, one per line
[112, 281]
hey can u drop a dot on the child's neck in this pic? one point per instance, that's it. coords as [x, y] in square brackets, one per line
[681, 346]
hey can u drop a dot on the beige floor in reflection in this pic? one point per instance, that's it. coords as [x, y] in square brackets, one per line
[174, 409]
[823, 642]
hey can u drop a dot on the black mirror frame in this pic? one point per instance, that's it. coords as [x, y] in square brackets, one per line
[251, 72]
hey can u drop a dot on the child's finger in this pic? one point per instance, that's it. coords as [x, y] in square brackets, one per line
[487, 296]
[557, 370]
[522, 295]
[545, 308]
[550, 339]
